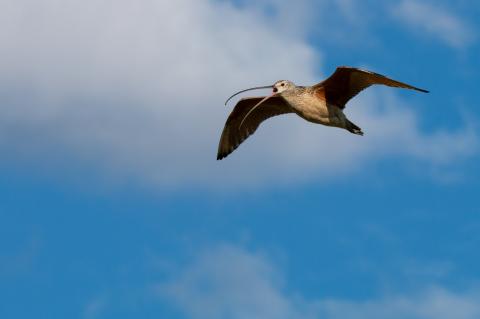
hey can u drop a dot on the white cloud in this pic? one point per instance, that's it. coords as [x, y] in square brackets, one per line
[230, 282]
[423, 17]
[136, 89]
[433, 303]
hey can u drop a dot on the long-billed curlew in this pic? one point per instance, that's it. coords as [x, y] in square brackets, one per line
[322, 103]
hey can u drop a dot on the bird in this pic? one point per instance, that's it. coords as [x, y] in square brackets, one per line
[322, 103]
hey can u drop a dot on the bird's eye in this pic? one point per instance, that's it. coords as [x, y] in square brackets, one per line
[283, 84]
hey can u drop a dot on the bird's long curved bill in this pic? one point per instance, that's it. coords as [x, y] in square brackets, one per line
[255, 88]
[253, 108]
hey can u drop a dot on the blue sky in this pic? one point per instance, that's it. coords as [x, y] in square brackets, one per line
[112, 204]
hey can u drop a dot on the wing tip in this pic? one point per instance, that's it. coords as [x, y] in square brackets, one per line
[223, 154]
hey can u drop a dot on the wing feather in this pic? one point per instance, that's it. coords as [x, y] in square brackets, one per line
[233, 135]
[347, 82]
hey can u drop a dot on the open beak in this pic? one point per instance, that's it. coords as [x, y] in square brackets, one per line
[255, 88]
[256, 105]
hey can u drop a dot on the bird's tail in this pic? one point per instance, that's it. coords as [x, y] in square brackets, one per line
[352, 128]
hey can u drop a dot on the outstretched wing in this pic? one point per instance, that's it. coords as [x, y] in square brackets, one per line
[233, 135]
[346, 82]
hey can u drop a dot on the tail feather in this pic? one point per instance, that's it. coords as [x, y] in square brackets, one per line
[352, 128]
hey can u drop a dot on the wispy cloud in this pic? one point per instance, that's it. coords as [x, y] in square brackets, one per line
[433, 303]
[22, 261]
[95, 307]
[231, 282]
[435, 20]
[136, 89]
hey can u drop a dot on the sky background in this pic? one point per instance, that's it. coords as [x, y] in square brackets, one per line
[112, 204]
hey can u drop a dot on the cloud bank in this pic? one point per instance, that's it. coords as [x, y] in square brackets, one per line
[231, 282]
[436, 21]
[135, 90]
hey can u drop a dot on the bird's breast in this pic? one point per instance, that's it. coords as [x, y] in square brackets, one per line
[314, 108]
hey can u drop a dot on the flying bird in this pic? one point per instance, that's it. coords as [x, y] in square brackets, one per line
[322, 103]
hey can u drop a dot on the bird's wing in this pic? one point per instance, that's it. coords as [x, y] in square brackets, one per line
[233, 135]
[346, 82]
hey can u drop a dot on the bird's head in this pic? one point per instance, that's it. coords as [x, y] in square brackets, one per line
[282, 85]
[278, 87]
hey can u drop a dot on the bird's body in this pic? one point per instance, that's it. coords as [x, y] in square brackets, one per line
[312, 106]
[322, 103]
